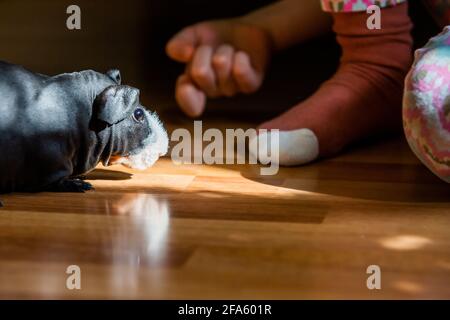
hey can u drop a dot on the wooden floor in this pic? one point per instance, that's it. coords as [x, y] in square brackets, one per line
[198, 231]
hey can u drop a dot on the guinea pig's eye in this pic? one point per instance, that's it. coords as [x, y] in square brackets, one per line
[138, 115]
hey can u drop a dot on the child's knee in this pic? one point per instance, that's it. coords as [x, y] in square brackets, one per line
[426, 105]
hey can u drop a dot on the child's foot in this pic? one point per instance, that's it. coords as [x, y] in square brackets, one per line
[364, 96]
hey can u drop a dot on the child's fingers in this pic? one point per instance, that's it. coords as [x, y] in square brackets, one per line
[182, 45]
[201, 70]
[246, 77]
[190, 99]
[222, 62]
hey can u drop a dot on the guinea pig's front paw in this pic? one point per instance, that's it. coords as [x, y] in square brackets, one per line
[71, 185]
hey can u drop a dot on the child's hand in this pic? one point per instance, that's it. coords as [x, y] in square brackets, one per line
[222, 57]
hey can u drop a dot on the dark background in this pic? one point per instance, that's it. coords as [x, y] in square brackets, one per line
[131, 35]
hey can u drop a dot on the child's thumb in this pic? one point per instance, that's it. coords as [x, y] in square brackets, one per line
[190, 99]
[182, 45]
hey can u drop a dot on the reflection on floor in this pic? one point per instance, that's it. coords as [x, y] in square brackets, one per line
[198, 231]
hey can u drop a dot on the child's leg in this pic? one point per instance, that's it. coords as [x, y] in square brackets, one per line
[364, 96]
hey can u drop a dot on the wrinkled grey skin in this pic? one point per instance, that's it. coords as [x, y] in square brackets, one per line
[53, 129]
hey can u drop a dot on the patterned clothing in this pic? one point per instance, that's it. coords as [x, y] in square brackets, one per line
[426, 105]
[439, 9]
[355, 5]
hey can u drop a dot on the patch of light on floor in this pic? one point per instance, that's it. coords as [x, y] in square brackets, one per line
[408, 287]
[405, 242]
[142, 241]
[444, 265]
[152, 215]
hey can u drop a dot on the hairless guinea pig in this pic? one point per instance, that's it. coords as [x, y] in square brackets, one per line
[54, 129]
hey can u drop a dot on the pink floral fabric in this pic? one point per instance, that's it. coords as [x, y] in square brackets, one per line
[439, 9]
[426, 105]
[355, 5]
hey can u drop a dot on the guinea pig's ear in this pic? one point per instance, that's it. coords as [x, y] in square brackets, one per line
[115, 103]
[115, 75]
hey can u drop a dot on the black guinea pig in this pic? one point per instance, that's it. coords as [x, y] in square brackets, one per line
[55, 129]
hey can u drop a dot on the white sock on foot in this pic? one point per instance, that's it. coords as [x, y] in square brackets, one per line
[296, 147]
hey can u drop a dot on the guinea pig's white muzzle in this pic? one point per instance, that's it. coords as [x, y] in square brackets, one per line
[155, 146]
